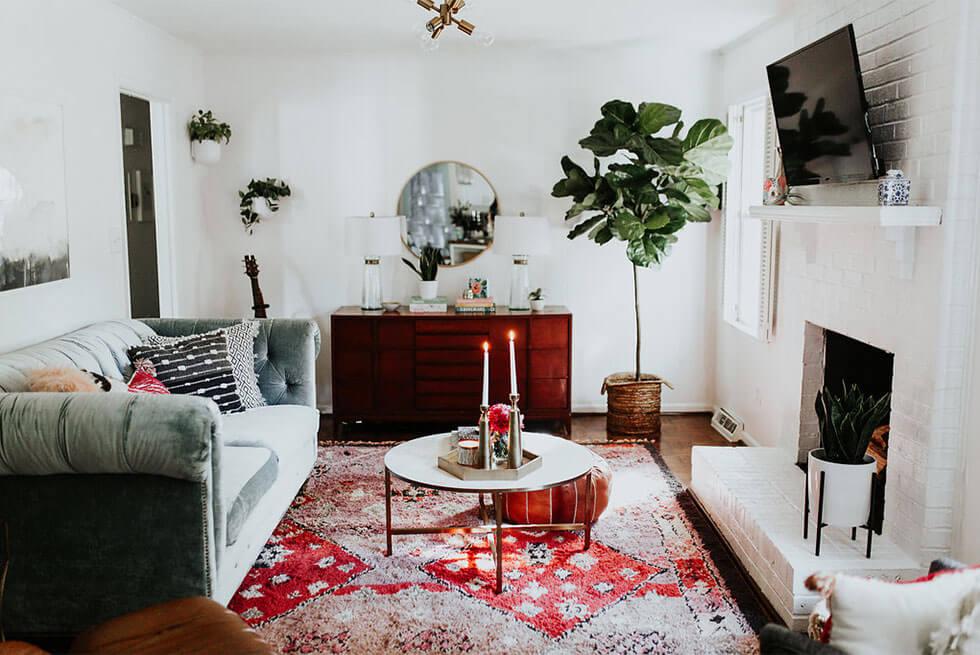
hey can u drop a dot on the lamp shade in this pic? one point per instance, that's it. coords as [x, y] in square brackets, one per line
[521, 235]
[380, 236]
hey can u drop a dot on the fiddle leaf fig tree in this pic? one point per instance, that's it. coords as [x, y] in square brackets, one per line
[648, 180]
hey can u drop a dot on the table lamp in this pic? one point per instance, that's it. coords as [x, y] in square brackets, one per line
[373, 237]
[520, 236]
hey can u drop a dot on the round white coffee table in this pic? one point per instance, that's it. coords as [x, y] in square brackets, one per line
[562, 461]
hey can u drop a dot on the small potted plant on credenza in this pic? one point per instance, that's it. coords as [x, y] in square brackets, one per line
[840, 472]
[536, 298]
[427, 270]
[206, 136]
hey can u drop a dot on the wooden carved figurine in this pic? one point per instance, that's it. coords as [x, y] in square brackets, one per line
[258, 302]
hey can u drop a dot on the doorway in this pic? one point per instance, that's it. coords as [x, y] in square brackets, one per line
[140, 206]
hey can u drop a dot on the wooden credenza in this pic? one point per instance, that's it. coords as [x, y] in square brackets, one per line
[404, 367]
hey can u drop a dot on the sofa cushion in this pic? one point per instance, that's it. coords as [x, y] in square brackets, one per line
[247, 473]
[100, 348]
[284, 429]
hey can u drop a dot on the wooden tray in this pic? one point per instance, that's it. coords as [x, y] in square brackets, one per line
[449, 464]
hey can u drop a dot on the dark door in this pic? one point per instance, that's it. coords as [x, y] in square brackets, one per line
[141, 236]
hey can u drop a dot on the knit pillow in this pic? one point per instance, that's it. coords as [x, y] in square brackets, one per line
[240, 340]
[197, 366]
[876, 616]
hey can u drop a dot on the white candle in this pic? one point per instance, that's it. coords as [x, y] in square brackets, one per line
[486, 373]
[513, 366]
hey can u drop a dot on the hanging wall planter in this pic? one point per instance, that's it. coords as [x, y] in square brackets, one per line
[260, 200]
[206, 136]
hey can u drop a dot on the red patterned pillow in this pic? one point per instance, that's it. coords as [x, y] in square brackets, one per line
[143, 382]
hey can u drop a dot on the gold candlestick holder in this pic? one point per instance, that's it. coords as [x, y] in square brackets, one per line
[515, 442]
[485, 457]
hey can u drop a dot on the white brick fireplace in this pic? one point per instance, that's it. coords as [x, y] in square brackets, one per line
[919, 59]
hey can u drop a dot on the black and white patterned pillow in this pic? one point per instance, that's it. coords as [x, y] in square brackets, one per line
[240, 340]
[197, 366]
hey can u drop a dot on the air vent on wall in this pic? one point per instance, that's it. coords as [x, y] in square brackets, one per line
[727, 424]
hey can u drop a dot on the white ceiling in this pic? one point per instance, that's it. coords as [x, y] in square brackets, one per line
[284, 26]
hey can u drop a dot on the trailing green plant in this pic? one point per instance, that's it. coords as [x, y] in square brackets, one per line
[204, 127]
[652, 185]
[428, 268]
[271, 189]
[847, 422]
[537, 294]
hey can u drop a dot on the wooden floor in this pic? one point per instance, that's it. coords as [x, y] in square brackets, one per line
[679, 433]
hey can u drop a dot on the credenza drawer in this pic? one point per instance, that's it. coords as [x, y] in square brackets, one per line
[550, 333]
[451, 387]
[549, 364]
[470, 342]
[453, 326]
[446, 401]
[448, 371]
[353, 365]
[548, 394]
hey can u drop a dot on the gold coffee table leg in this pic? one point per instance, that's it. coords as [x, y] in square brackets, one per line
[388, 511]
[589, 502]
[498, 509]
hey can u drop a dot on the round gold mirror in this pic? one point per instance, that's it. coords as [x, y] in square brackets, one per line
[450, 206]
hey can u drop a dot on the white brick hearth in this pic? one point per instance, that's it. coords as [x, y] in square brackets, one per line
[754, 497]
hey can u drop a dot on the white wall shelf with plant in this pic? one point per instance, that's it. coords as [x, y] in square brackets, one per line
[900, 223]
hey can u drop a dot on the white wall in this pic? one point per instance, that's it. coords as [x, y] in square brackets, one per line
[80, 54]
[846, 278]
[347, 131]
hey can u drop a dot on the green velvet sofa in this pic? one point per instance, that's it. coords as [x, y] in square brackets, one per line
[118, 501]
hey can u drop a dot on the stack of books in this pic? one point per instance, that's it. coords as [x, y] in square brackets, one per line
[418, 305]
[475, 306]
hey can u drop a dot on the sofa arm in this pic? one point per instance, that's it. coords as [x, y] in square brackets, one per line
[285, 353]
[53, 433]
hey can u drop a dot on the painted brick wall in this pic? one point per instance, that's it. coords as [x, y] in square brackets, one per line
[906, 51]
[846, 278]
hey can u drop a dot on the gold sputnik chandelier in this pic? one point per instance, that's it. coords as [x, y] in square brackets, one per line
[447, 17]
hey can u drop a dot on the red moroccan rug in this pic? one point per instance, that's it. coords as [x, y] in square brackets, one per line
[654, 581]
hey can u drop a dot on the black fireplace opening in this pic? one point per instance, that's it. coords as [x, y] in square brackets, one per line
[871, 369]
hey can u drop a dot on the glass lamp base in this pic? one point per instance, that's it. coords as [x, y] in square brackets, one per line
[371, 288]
[519, 285]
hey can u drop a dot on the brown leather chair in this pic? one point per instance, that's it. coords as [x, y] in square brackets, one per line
[189, 626]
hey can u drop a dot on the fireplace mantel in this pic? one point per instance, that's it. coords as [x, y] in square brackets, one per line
[909, 216]
[900, 223]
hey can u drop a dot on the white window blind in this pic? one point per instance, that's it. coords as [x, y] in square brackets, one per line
[748, 280]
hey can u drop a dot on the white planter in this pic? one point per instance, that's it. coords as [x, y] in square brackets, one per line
[206, 152]
[261, 207]
[428, 289]
[537, 305]
[847, 490]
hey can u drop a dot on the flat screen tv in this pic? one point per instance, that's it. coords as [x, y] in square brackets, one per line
[822, 114]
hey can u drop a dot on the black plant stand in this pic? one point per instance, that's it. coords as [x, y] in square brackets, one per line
[820, 524]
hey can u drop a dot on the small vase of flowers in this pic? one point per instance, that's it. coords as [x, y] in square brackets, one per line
[498, 420]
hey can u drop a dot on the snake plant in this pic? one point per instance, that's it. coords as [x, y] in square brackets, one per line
[847, 421]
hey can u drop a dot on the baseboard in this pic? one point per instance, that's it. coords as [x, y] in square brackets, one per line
[667, 408]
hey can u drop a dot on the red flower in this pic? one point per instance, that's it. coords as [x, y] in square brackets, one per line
[499, 418]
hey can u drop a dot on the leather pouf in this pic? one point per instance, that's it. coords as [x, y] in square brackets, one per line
[563, 504]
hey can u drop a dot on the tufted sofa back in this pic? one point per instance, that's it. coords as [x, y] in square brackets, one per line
[285, 353]
[100, 348]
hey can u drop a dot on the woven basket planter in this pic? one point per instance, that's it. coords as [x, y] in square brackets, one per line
[633, 406]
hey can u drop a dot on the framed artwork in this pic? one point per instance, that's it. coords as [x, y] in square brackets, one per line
[33, 211]
[478, 287]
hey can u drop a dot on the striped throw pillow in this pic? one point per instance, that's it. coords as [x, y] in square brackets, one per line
[196, 366]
